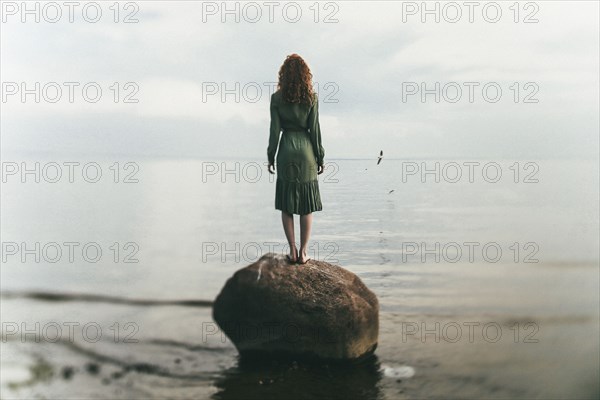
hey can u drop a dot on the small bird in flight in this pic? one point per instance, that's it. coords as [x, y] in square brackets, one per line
[391, 191]
[380, 157]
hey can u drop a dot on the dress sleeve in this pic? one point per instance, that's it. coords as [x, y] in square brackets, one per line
[274, 132]
[315, 131]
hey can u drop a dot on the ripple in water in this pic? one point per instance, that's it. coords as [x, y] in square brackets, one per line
[401, 372]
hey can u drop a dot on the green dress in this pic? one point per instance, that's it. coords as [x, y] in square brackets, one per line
[300, 152]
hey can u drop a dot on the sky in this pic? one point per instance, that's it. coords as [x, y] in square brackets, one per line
[375, 66]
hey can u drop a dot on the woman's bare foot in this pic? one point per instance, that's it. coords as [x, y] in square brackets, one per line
[293, 256]
[302, 257]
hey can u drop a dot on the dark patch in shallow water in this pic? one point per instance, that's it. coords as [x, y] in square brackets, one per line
[67, 373]
[92, 368]
[63, 297]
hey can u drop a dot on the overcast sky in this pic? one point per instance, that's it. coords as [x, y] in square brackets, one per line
[179, 52]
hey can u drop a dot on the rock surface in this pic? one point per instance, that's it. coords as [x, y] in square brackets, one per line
[316, 310]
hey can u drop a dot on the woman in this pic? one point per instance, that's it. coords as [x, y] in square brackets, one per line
[295, 111]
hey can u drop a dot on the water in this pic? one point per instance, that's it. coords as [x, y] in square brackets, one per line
[522, 323]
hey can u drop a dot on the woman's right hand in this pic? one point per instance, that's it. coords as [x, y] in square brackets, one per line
[271, 169]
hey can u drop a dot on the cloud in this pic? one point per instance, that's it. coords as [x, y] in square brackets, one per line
[366, 57]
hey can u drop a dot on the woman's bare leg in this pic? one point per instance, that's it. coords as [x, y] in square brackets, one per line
[288, 226]
[305, 227]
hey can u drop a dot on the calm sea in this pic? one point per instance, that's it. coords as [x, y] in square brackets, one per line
[486, 272]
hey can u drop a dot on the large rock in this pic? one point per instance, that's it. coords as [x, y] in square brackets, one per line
[317, 310]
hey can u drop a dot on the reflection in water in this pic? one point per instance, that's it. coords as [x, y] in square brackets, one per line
[280, 379]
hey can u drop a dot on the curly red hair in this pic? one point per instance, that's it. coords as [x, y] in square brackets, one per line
[295, 80]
